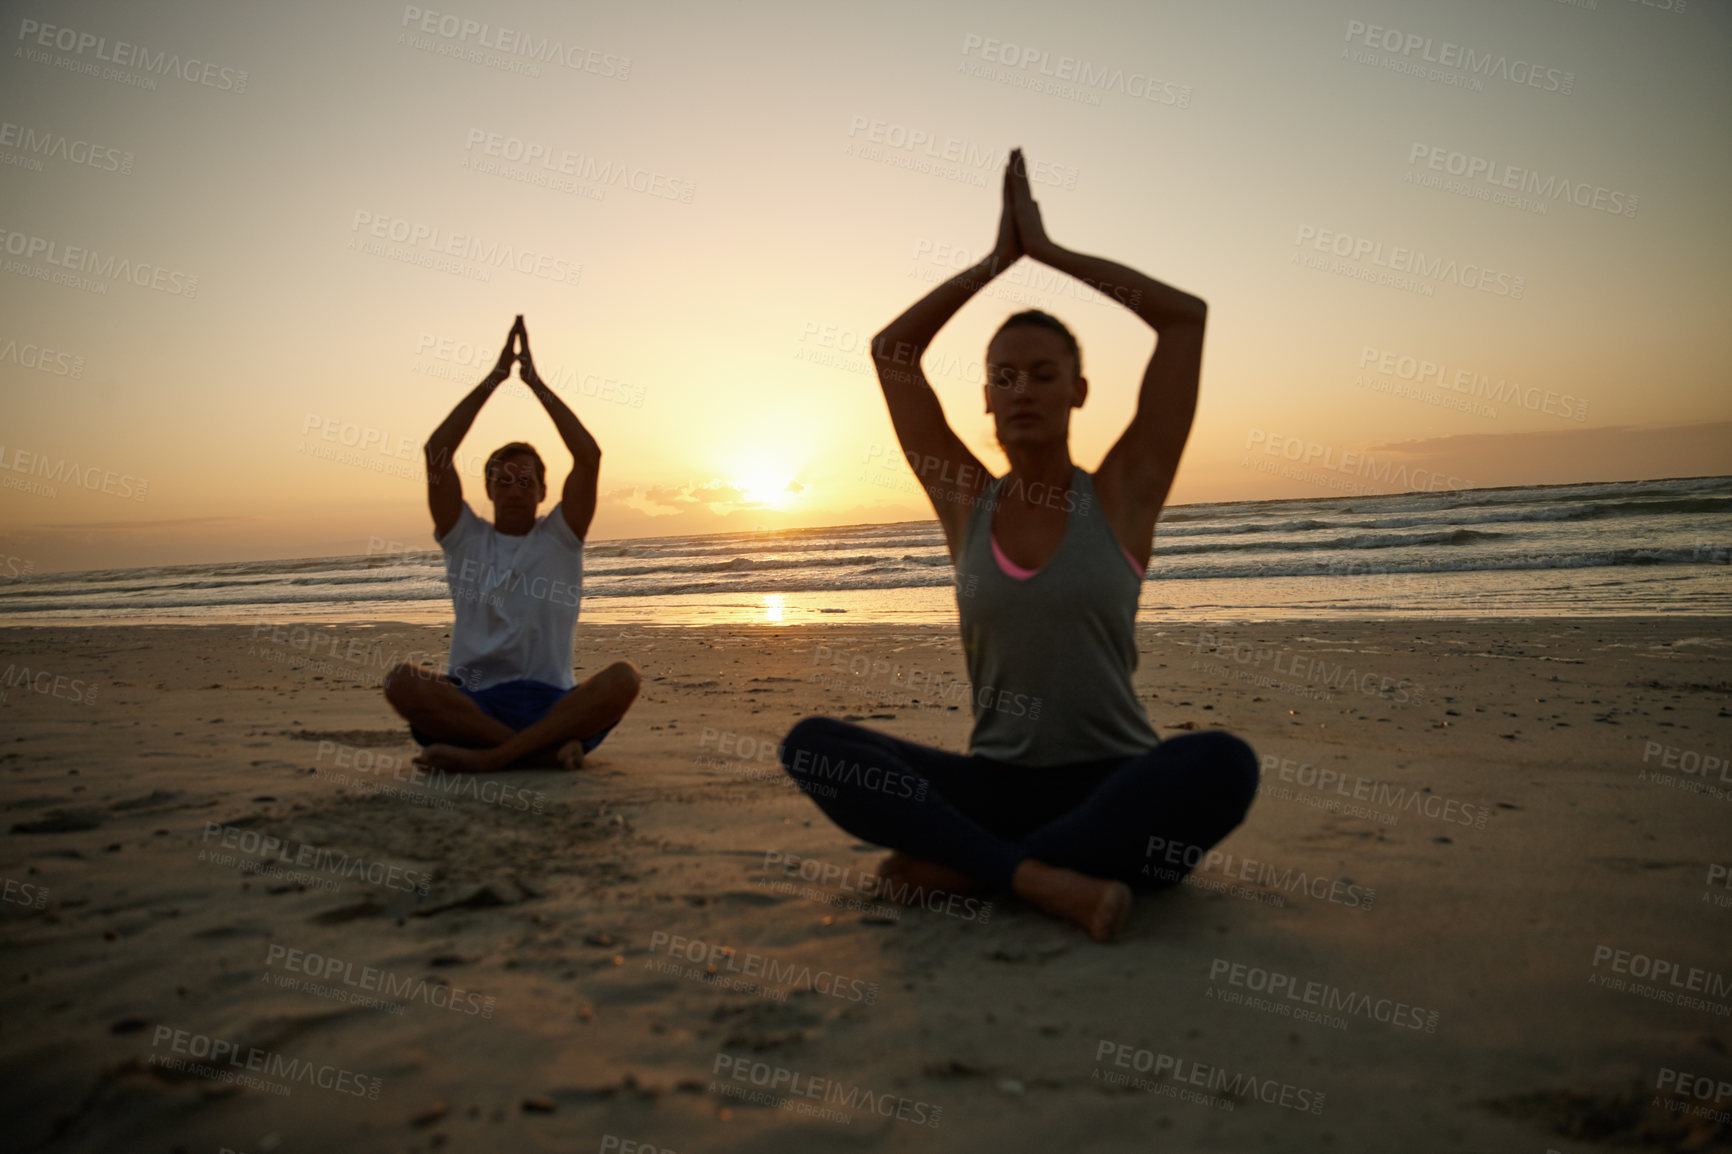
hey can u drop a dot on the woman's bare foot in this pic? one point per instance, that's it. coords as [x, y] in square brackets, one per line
[910, 878]
[458, 759]
[1097, 905]
[571, 754]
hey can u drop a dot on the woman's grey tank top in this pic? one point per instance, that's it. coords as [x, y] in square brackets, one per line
[1051, 656]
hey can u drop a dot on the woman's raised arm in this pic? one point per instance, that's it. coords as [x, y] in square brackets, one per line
[952, 476]
[1137, 473]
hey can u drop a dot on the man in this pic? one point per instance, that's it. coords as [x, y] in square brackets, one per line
[509, 700]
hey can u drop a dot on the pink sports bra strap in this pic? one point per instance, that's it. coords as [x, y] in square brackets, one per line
[1012, 569]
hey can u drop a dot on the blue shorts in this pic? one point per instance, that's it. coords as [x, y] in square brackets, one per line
[519, 704]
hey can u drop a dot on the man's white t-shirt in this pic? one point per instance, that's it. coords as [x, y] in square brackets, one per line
[515, 600]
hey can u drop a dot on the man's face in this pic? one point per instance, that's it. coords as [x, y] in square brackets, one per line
[514, 489]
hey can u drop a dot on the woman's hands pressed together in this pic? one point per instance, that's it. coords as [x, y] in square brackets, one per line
[1031, 235]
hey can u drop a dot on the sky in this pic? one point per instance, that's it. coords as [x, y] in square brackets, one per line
[252, 254]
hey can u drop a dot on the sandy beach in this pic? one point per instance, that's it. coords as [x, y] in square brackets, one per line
[1481, 903]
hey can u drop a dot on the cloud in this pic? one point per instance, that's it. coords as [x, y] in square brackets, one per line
[143, 526]
[718, 495]
[1569, 456]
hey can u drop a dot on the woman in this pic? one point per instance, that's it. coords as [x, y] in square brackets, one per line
[1067, 797]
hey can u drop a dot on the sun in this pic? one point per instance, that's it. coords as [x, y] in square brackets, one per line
[768, 483]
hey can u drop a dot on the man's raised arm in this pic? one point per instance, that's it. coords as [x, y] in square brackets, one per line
[444, 488]
[577, 500]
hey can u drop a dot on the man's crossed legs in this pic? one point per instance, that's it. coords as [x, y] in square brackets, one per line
[519, 723]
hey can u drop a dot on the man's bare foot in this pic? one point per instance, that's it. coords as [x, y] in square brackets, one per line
[458, 759]
[567, 756]
[911, 878]
[1098, 905]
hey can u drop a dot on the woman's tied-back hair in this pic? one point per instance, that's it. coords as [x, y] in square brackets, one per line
[1034, 318]
[511, 450]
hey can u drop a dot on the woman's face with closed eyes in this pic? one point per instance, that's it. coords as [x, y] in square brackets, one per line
[1031, 386]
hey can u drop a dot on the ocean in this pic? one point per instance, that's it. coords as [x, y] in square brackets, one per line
[1623, 548]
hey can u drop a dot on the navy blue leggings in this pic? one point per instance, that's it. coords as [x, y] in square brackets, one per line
[1145, 819]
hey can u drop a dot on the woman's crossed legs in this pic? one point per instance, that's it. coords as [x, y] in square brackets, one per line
[1073, 839]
